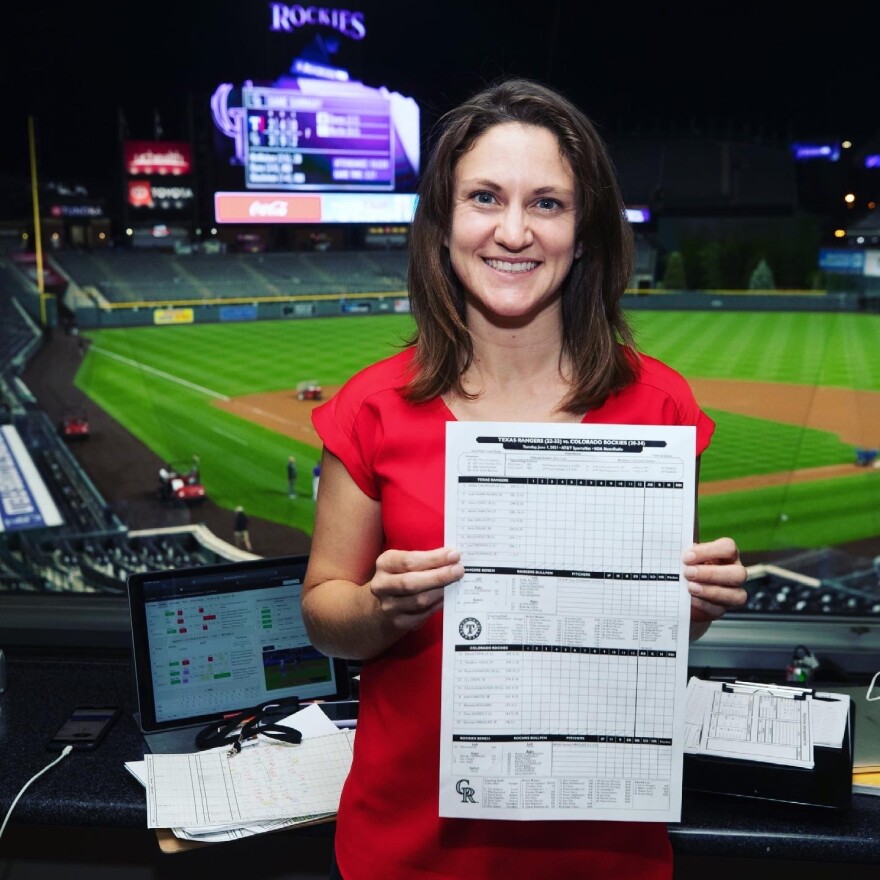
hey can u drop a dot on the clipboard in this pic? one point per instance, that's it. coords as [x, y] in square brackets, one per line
[827, 784]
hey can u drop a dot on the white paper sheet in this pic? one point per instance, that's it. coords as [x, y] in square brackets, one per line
[829, 715]
[565, 644]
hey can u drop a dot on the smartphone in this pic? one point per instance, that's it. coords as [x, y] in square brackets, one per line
[85, 727]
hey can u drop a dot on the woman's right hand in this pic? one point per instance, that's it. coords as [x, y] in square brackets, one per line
[359, 599]
[409, 585]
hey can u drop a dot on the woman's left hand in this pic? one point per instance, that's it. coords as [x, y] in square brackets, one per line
[715, 579]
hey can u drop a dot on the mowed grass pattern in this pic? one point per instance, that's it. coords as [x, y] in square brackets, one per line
[833, 349]
[159, 383]
[804, 348]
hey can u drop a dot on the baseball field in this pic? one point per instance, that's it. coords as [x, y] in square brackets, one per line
[792, 393]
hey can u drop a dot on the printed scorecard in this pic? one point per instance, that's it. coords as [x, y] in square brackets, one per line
[565, 644]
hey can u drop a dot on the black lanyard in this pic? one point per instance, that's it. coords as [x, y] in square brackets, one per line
[244, 725]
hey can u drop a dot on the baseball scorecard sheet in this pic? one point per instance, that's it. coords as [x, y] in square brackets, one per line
[565, 643]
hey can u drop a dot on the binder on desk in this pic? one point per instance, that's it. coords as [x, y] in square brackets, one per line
[827, 783]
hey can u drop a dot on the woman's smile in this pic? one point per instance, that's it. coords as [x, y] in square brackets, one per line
[506, 266]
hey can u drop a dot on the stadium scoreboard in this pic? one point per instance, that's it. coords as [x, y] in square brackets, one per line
[297, 141]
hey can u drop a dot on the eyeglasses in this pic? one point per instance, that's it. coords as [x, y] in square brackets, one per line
[871, 688]
[249, 723]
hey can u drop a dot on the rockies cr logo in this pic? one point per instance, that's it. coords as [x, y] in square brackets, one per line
[463, 787]
[470, 628]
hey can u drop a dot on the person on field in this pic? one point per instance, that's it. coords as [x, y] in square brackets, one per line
[316, 480]
[240, 529]
[291, 476]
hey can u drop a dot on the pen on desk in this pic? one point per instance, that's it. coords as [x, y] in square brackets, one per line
[780, 688]
[776, 690]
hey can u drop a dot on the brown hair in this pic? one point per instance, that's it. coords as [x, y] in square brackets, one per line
[592, 319]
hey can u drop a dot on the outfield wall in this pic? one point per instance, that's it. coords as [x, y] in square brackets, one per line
[231, 310]
[225, 310]
[747, 301]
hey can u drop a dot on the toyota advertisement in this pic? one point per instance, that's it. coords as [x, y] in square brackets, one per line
[158, 180]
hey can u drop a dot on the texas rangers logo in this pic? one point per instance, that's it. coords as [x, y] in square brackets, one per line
[470, 628]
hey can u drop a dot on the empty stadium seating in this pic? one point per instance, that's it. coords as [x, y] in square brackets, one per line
[19, 335]
[128, 276]
[102, 563]
[93, 551]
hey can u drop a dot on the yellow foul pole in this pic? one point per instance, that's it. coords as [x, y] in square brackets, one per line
[38, 242]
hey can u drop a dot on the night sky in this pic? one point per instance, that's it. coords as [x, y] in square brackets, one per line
[773, 70]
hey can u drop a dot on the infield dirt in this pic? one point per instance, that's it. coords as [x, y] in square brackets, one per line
[853, 415]
[124, 469]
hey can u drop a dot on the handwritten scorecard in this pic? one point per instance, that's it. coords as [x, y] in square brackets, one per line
[274, 781]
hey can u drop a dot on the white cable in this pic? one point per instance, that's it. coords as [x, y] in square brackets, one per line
[64, 753]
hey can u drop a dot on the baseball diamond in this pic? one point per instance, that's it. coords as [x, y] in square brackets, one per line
[794, 395]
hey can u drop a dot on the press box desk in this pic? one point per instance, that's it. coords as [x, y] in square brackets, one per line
[89, 808]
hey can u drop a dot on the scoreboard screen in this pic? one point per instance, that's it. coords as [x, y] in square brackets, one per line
[297, 141]
[312, 135]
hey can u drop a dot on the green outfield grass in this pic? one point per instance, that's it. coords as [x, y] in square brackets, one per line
[160, 384]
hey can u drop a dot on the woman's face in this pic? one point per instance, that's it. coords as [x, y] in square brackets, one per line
[512, 238]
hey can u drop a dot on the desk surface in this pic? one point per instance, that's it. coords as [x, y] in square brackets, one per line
[94, 789]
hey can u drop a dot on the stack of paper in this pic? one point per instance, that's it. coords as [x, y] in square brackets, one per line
[216, 795]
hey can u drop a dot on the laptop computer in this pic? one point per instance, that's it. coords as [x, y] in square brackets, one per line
[211, 640]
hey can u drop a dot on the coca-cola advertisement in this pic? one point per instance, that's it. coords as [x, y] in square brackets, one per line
[242, 207]
[270, 208]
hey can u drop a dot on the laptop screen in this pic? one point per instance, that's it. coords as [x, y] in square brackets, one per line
[215, 639]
